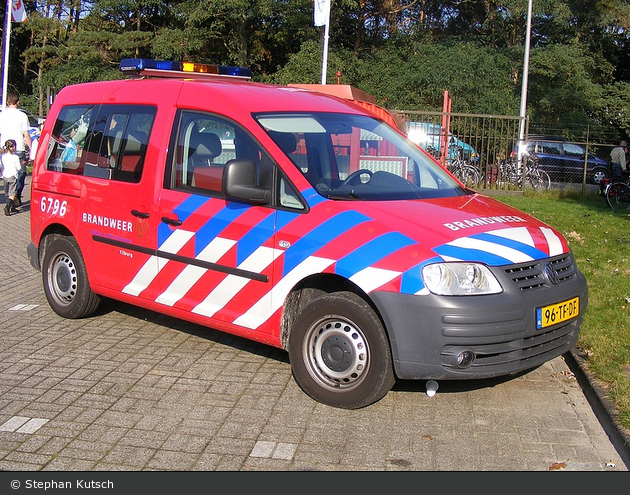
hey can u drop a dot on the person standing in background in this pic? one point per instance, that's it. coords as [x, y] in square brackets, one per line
[14, 125]
[10, 169]
[618, 159]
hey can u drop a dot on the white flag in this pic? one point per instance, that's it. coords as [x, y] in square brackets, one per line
[17, 11]
[321, 11]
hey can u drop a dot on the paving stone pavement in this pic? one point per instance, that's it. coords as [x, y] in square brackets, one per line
[134, 390]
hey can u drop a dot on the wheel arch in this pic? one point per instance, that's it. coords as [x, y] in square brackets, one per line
[64, 275]
[312, 287]
[50, 233]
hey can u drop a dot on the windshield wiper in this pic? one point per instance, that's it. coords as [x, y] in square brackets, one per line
[350, 195]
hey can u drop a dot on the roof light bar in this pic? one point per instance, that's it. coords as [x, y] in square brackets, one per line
[166, 68]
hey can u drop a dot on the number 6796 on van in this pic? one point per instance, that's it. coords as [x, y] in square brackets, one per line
[296, 219]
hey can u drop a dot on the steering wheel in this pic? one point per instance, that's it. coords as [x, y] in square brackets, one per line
[354, 175]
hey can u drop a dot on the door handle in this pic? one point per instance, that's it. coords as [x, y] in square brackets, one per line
[140, 214]
[170, 221]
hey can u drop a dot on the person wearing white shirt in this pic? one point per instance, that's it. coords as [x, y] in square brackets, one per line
[14, 125]
[10, 170]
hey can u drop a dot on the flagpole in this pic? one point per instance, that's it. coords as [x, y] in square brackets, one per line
[325, 54]
[5, 47]
[523, 114]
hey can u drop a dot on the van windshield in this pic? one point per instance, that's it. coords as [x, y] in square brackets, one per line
[357, 157]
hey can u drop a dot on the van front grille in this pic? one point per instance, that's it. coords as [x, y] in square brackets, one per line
[527, 276]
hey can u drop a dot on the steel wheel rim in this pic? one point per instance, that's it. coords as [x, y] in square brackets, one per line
[336, 353]
[62, 279]
[598, 176]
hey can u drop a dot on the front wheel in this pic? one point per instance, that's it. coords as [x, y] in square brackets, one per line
[546, 180]
[618, 196]
[65, 279]
[469, 175]
[339, 352]
[599, 175]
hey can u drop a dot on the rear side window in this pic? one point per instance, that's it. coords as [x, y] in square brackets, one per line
[68, 138]
[106, 141]
[575, 150]
[548, 148]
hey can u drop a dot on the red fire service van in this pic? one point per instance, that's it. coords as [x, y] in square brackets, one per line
[297, 219]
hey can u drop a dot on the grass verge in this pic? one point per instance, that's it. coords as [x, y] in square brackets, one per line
[600, 240]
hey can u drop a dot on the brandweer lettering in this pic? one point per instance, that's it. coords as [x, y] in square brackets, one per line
[476, 222]
[108, 222]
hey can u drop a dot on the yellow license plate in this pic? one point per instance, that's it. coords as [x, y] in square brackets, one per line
[557, 313]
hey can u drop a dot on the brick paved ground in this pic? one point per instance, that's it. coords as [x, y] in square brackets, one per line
[130, 390]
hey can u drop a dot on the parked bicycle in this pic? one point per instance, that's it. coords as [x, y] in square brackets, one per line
[467, 173]
[434, 152]
[507, 174]
[618, 193]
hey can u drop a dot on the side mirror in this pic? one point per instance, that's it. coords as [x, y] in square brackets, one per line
[239, 182]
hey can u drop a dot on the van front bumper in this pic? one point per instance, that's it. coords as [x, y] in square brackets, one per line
[33, 256]
[428, 333]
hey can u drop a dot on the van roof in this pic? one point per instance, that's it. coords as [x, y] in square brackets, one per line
[545, 137]
[243, 96]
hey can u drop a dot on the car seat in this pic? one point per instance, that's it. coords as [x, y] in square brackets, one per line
[206, 174]
[206, 146]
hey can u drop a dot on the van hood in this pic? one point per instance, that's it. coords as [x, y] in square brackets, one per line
[465, 228]
[384, 245]
[374, 244]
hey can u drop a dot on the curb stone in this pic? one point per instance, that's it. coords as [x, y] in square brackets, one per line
[602, 406]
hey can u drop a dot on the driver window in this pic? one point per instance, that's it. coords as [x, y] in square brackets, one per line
[205, 144]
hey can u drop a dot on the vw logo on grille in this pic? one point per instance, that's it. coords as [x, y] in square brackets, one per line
[552, 274]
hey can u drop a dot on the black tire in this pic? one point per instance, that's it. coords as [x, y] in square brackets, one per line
[339, 352]
[618, 196]
[546, 179]
[65, 279]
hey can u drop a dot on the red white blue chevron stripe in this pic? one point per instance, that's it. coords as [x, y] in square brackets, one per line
[254, 256]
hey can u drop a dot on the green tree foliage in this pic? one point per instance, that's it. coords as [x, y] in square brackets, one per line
[415, 76]
[254, 33]
[571, 96]
[404, 52]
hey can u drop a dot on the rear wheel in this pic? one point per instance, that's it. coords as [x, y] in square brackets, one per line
[539, 180]
[339, 352]
[618, 196]
[65, 279]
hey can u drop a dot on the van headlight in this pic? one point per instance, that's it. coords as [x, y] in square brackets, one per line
[460, 279]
